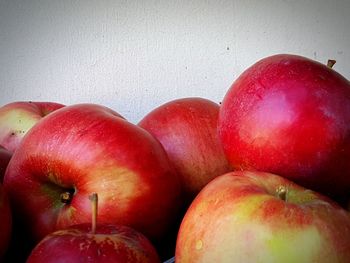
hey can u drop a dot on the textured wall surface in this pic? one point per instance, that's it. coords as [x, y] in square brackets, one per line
[133, 56]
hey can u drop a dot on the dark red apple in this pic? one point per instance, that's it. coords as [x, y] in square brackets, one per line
[5, 157]
[5, 222]
[187, 128]
[86, 148]
[109, 243]
[290, 115]
[94, 243]
[16, 118]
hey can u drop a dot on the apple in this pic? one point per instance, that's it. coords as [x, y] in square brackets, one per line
[290, 115]
[187, 129]
[84, 148]
[6, 222]
[5, 157]
[247, 216]
[110, 243]
[16, 118]
[94, 243]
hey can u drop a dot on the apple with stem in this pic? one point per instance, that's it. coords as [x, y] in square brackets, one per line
[16, 118]
[248, 216]
[86, 148]
[94, 243]
[290, 115]
[187, 129]
[6, 222]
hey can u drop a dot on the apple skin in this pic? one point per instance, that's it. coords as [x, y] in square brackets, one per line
[6, 222]
[16, 118]
[85, 148]
[5, 157]
[240, 217]
[290, 115]
[110, 243]
[187, 129]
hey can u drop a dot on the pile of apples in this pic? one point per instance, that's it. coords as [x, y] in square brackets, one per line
[263, 176]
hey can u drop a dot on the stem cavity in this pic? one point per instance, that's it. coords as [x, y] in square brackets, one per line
[281, 192]
[66, 197]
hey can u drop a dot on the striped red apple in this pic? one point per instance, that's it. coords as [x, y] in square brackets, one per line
[94, 242]
[253, 217]
[290, 115]
[86, 148]
[187, 128]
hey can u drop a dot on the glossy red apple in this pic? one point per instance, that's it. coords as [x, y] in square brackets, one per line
[18, 117]
[290, 115]
[187, 128]
[110, 243]
[5, 157]
[5, 222]
[94, 243]
[86, 148]
[248, 216]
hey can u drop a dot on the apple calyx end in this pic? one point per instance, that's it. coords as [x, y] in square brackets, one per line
[330, 63]
[66, 197]
[281, 192]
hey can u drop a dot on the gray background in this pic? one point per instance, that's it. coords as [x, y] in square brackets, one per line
[133, 56]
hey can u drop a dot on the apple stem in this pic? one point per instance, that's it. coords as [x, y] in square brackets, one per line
[94, 201]
[282, 192]
[331, 63]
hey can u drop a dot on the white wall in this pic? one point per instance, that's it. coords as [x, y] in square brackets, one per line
[133, 56]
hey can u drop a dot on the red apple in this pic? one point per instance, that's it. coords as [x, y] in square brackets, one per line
[290, 115]
[187, 128]
[5, 157]
[86, 148]
[18, 117]
[94, 243]
[110, 243]
[248, 216]
[5, 223]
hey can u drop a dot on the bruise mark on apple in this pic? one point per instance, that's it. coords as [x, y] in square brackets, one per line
[17, 132]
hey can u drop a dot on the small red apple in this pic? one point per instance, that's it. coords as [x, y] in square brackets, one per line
[5, 222]
[5, 157]
[290, 115]
[94, 243]
[18, 117]
[187, 129]
[86, 148]
[109, 243]
[248, 216]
